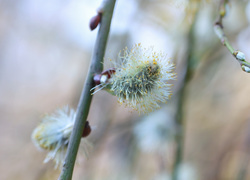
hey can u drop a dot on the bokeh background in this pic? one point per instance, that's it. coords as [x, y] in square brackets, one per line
[45, 50]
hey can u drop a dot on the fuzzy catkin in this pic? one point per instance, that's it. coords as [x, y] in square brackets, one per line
[53, 134]
[141, 79]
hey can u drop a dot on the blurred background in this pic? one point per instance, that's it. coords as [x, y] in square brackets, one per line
[45, 50]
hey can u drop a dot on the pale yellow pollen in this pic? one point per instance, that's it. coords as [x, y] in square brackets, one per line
[154, 62]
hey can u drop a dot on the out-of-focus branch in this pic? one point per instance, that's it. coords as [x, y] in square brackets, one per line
[180, 114]
[96, 66]
[218, 28]
[245, 160]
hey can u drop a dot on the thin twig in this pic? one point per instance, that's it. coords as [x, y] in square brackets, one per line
[218, 28]
[96, 66]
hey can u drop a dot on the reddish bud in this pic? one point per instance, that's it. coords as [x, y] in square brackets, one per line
[87, 130]
[94, 21]
[109, 72]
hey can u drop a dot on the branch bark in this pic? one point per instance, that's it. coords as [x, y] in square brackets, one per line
[96, 66]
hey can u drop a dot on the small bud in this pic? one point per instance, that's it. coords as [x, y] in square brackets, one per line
[104, 76]
[239, 55]
[109, 72]
[94, 21]
[87, 130]
[222, 11]
[245, 68]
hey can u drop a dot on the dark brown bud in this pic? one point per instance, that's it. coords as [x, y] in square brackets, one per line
[87, 130]
[94, 21]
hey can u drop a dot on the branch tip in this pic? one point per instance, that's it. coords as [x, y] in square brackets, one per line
[245, 68]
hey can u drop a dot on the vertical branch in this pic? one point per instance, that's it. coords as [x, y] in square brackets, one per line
[179, 118]
[96, 66]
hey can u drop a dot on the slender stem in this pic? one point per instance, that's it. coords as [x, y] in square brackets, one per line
[218, 28]
[180, 136]
[96, 66]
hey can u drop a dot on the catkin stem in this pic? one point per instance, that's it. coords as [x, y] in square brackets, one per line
[96, 66]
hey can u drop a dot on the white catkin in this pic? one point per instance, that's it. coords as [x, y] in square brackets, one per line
[141, 80]
[53, 134]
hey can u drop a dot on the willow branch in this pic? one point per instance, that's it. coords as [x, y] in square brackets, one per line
[219, 31]
[96, 66]
[180, 113]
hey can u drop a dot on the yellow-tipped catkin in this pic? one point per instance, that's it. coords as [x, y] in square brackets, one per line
[141, 79]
